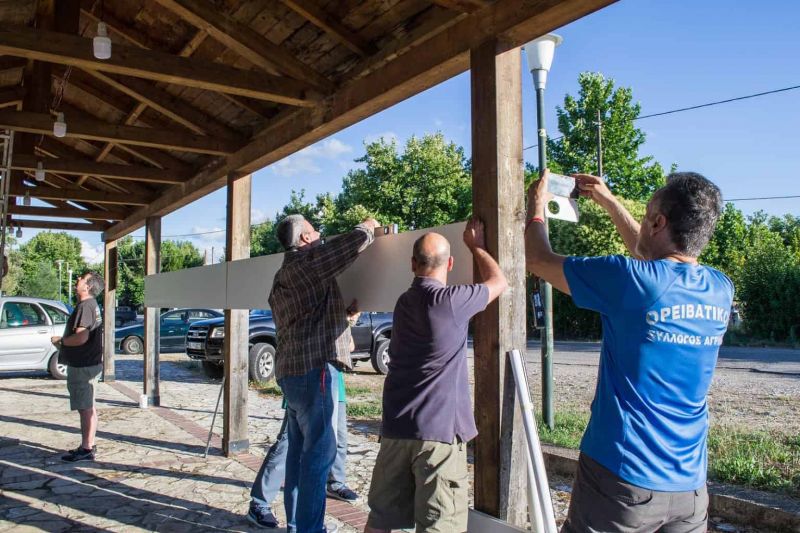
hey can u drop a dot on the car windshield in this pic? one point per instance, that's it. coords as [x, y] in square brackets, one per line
[261, 312]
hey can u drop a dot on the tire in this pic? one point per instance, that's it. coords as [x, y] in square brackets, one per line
[133, 345]
[262, 362]
[380, 357]
[56, 370]
[213, 370]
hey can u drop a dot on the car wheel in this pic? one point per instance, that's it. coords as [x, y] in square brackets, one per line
[56, 370]
[262, 362]
[380, 357]
[133, 345]
[213, 370]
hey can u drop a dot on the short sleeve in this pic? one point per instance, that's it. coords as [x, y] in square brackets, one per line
[468, 300]
[85, 317]
[599, 283]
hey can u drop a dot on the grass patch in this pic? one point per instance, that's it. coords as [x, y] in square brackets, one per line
[357, 391]
[568, 431]
[757, 459]
[364, 409]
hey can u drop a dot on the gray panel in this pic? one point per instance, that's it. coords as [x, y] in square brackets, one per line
[192, 287]
[250, 280]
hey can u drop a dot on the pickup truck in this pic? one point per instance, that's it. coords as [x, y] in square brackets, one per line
[205, 338]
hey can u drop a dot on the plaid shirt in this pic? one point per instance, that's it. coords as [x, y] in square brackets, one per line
[307, 305]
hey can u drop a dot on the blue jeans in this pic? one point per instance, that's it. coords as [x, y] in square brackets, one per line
[273, 470]
[311, 404]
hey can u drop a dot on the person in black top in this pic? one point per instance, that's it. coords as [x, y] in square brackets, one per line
[81, 349]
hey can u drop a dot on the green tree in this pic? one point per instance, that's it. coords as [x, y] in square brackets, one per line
[627, 173]
[426, 185]
[49, 247]
[728, 247]
[43, 283]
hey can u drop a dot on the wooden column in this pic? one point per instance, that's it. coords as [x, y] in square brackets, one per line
[109, 310]
[497, 196]
[237, 246]
[152, 315]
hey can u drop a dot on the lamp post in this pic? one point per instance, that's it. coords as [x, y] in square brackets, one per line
[540, 57]
[69, 286]
[60, 262]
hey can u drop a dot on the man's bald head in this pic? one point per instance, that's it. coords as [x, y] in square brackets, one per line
[431, 252]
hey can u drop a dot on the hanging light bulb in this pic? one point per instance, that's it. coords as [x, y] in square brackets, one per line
[26, 200]
[40, 170]
[59, 126]
[19, 232]
[101, 43]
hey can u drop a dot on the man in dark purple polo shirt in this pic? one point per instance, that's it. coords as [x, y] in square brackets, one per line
[420, 475]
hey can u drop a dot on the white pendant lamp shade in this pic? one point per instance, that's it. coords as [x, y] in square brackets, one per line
[540, 56]
[59, 126]
[101, 43]
[40, 171]
[26, 200]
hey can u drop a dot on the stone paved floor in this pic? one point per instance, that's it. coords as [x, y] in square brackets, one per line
[150, 474]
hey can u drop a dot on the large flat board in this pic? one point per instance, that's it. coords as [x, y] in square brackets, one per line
[191, 287]
[377, 278]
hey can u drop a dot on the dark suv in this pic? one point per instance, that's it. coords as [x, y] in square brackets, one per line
[204, 342]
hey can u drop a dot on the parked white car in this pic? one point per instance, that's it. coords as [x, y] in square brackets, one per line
[26, 326]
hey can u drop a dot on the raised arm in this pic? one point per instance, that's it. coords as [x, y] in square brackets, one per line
[595, 188]
[491, 274]
[332, 258]
[539, 256]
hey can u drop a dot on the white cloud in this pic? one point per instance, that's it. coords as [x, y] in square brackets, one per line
[305, 161]
[257, 216]
[387, 136]
[209, 236]
[92, 254]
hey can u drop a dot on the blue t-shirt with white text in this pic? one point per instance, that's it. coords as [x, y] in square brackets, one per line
[663, 324]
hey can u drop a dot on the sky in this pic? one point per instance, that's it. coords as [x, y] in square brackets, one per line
[672, 54]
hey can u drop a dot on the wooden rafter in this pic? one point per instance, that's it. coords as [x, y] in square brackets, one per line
[11, 96]
[76, 51]
[96, 130]
[100, 197]
[11, 63]
[245, 41]
[80, 167]
[65, 211]
[68, 226]
[465, 6]
[328, 22]
[513, 22]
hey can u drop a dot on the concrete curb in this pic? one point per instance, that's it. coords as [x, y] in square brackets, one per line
[736, 504]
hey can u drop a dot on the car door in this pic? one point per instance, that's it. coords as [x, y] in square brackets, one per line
[362, 333]
[171, 327]
[24, 336]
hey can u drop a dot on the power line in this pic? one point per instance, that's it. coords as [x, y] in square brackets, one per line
[763, 198]
[700, 106]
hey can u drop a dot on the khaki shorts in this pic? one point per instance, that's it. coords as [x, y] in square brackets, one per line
[420, 484]
[81, 382]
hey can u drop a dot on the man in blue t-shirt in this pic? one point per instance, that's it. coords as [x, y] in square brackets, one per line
[643, 457]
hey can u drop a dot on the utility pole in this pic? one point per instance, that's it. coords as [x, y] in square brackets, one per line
[599, 125]
[69, 287]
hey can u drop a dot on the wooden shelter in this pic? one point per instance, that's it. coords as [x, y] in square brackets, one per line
[199, 94]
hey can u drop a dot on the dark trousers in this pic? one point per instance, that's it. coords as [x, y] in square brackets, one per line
[603, 503]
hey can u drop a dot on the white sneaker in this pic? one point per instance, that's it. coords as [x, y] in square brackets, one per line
[330, 527]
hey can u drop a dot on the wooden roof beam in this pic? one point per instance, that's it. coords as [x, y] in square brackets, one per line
[76, 51]
[512, 22]
[96, 130]
[80, 167]
[12, 63]
[245, 41]
[327, 22]
[68, 226]
[67, 212]
[80, 195]
[464, 6]
[11, 96]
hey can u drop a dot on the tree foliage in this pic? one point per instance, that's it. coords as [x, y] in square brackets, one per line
[627, 173]
[44, 249]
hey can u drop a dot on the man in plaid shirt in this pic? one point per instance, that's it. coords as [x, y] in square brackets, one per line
[313, 346]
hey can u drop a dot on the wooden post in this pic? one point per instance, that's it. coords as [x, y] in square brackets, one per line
[152, 315]
[237, 246]
[497, 196]
[109, 310]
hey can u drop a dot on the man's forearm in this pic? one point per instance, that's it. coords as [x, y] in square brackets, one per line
[626, 225]
[491, 274]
